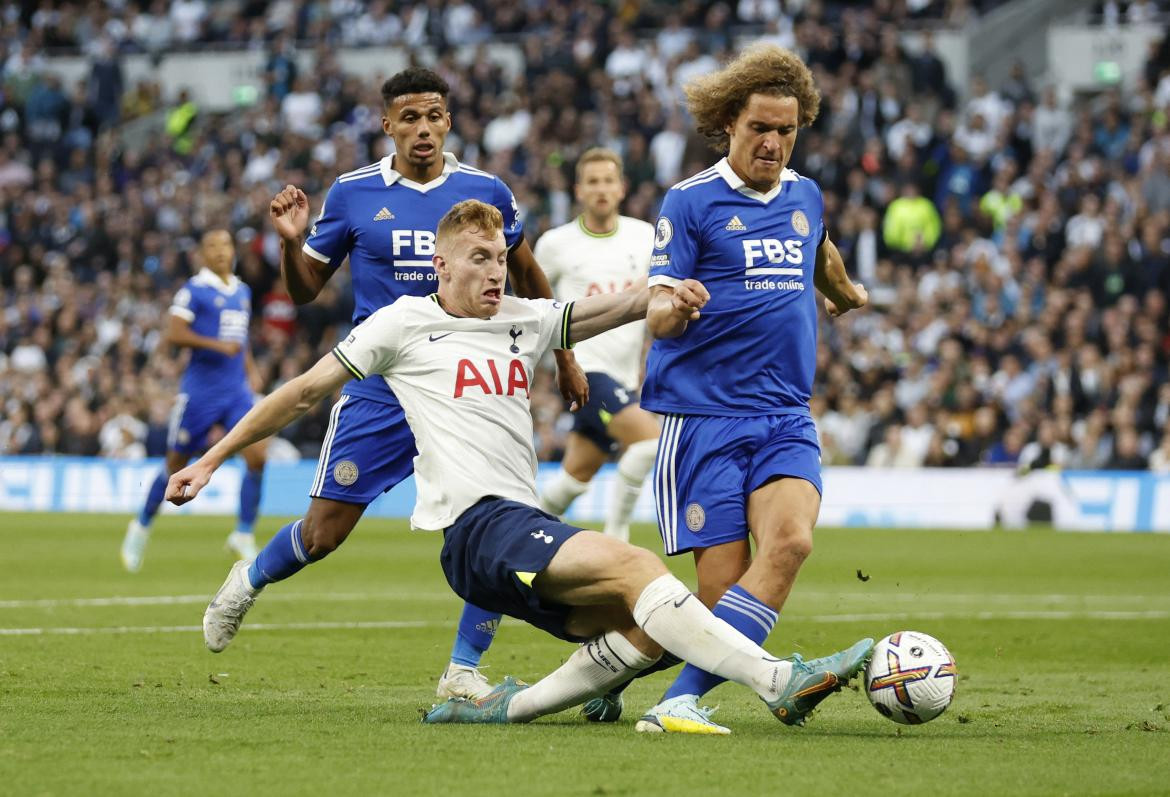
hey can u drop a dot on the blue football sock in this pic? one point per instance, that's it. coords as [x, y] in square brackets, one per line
[477, 629]
[154, 498]
[743, 612]
[283, 555]
[249, 499]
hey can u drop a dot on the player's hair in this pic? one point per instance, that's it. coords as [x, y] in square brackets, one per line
[415, 80]
[715, 100]
[470, 214]
[599, 154]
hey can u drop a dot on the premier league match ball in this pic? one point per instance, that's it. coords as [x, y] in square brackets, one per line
[911, 678]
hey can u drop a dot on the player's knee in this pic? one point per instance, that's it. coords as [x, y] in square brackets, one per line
[640, 567]
[321, 537]
[790, 541]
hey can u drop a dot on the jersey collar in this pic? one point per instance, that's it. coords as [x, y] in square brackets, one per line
[208, 277]
[390, 175]
[737, 184]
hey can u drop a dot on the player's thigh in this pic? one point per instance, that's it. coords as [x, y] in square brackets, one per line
[633, 425]
[593, 568]
[583, 457]
[368, 448]
[699, 481]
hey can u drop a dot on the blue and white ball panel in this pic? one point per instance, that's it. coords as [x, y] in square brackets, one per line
[708, 466]
[191, 421]
[494, 550]
[607, 398]
[368, 448]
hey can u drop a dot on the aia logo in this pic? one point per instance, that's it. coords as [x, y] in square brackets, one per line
[608, 287]
[468, 376]
[515, 332]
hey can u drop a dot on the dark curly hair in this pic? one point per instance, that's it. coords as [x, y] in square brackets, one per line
[716, 100]
[415, 80]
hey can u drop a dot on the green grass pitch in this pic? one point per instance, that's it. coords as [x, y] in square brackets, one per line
[1062, 643]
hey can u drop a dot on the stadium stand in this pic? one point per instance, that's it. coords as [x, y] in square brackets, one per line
[1015, 242]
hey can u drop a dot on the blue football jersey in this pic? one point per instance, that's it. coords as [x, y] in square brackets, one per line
[753, 349]
[386, 225]
[220, 310]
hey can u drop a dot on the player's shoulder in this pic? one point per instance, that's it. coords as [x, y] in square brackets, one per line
[806, 183]
[364, 173]
[695, 181]
[476, 178]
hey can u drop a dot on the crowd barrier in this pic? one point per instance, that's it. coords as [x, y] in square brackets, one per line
[859, 497]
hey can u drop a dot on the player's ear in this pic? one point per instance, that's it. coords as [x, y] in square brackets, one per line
[440, 264]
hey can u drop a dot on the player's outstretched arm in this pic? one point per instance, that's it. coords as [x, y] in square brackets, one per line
[529, 281]
[604, 311]
[841, 293]
[672, 308]
[276, 411]
[303, 276]
[179, 333]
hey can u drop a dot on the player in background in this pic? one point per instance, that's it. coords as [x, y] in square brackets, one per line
[603, 251]
[383, 217]
[461, 362]
[210, 316]
[738, 454]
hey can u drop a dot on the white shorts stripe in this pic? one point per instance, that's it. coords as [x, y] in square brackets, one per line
[664, 483]
[673, 486]
[326, 447]
[176, 420]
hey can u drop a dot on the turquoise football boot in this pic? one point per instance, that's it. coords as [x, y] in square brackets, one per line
[492, 709]
[813, 681]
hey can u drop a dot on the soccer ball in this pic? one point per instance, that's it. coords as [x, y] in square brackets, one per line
[911, 678]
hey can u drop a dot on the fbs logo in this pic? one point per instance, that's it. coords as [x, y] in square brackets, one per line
[384, 215]
[736, 225]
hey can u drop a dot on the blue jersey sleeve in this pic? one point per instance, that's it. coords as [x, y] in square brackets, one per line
[676, 242]
[505, 202]
[331, 237]
[184, 303]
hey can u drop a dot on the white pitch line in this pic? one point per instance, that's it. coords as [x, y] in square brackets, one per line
[178, 600]
[1018, 615]
[192, 629]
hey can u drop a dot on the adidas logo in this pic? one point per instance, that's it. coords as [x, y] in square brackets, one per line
[384, 215]
[735, 224]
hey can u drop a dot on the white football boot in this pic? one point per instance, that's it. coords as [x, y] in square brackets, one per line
[680, 714]
[134, 545]
[466, 682]
[226, 611]
[242, 544]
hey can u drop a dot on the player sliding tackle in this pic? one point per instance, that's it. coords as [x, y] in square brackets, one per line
[461, 362]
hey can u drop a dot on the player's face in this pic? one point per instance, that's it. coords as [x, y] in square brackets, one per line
[418, 123]
[600, 188]
[762, 138]
[218, 251]
[473, 268]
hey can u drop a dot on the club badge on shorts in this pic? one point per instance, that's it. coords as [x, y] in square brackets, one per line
[345, 473]
[696, 517]
[800, 223]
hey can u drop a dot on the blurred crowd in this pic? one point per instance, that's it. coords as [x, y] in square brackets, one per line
[1015, 243]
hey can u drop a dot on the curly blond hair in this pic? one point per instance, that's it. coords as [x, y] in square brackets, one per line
[715, 100]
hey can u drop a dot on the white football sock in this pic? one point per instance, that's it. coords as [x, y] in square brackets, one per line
[560, 492]
[599, 664]
[674, 618]
[633, 467]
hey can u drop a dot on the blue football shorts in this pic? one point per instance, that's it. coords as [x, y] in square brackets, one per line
[707, 467]
[368, 448]
[607, 398]
[193, 415]
[492, 552]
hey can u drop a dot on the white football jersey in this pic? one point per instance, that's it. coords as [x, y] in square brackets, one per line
[464, 384]
[579, 263]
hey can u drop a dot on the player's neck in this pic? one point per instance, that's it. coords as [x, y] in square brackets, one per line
[599, 225]
[763, 188]
[415, 173]
[225, 277]
[449, 307]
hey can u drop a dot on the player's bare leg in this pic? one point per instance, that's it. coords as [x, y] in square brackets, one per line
[242, 541]
[582, 459]
[781, 516]
[636, 430]
[138, 531]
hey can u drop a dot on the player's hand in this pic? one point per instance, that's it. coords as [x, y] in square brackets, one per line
[571, 380]
[187, 483]
[688, 298]
[289, 211]
[230, 348]
[859, 300]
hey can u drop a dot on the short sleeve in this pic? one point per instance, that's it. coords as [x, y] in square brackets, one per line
[505, 202]
[373, 345]
[183, 305]
[676, 239]
[330, 238]
[555, 317]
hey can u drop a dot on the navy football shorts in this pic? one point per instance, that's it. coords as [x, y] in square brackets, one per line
[708, 465]
[368, 448]
[193, 416]
[607, 398]
[492, 552]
